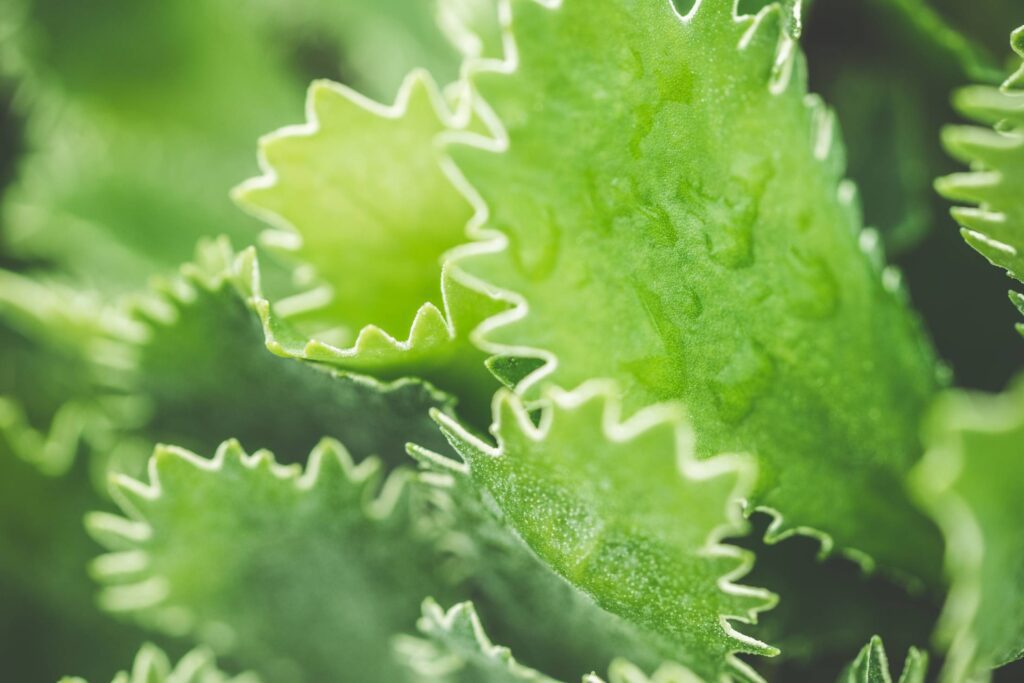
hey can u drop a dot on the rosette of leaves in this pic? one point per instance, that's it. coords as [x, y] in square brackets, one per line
[632, 215]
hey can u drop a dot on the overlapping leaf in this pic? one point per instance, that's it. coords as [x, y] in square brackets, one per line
[456, 648]
[697, 242]
[995, 183]
[358, 195]
[62, 365]
[303, 576]
[151, 665]
[58, 382]
[130, 160]
[190, 366]
[970, 481]
[624, 514]
[206, 376]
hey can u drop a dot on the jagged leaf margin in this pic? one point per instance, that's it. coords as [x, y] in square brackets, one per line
[521, 242]
[995, 184]
[272, 531]
[612, 506]
[455, 648]
[357, 198]
[202, 357]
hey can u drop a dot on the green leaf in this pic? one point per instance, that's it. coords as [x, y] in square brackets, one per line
[455, 648]
[994, 224]
[152, 666]
[206, 376]
[359, 200]
[623, 512]
[872, 666]
[970, 481]
[302, 575]
[191, 367]
[859, 605]
[698, 243]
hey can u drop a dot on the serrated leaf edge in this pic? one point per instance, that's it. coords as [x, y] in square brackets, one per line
[484, 240]
[454, 112]
[618, 430]
[124, 571]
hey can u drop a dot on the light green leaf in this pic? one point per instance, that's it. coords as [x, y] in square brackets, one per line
[130, 161]
[697, 242]
[970, 480]
[302, 575]
[872, 666]
[623, 512]
[994, 226]
[358, 198]
[152, 666]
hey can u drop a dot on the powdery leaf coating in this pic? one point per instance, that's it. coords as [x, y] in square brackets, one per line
[697, 242]
[152, 666]
[872, 666]
[357, 194]
[995, 183]
[971, 482]
[302, 576]
[623, 512]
